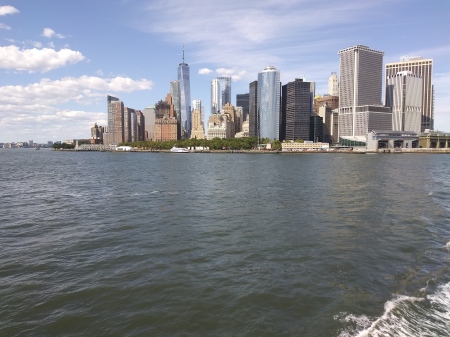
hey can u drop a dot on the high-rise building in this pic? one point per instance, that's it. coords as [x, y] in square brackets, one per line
[220, 93]
[253, 126]
[296, 109]
[149, 117]
[141, 125]
[243, 100]
[404, 97]
[133, 125]
[197, 126]
[423, 68]
[331, 101]
[360, 107]
[269, 103]
[333, 85]
[185, 98]
[316, 128]
[175, 93]
[115, 130]
[197, 105]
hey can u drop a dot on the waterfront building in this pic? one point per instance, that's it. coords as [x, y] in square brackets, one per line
[434, 139]
[360, 107]
[197, 125]
[149, 118]
[239, 118]
[215, 96]
[115, 130]
[391, 139]
[133, 126]
[245, 130]
[269, 103]
[291, 146]
[404, 97]
[423, 68]
[253, 109]
[219, 126]
[296, 109]
[185, 99]
[166, 129]
[243, 100]
[333, 85]
[197, 105]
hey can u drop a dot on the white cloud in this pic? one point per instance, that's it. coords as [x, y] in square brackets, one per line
[82, 90]
[3, 26]
[204, 71]
[31, 60]
[49, 33]
[36, 44]
[234, 73]
[35, 109]
[4, 10]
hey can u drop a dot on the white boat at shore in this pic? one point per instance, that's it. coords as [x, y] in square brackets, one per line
[179, 150]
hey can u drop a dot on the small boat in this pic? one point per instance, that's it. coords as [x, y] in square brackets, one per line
[37, 148]
[179, 150]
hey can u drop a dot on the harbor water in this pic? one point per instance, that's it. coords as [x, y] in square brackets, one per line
[160, 244]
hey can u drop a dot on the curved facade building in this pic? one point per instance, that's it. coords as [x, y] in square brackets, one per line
[269, 103]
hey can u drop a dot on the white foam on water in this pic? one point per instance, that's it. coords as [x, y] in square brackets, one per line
[447, 246]
[405, 316]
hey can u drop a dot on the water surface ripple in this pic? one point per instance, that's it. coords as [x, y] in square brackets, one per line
[148, 244]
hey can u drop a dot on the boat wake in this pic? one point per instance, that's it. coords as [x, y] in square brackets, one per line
[404, 316]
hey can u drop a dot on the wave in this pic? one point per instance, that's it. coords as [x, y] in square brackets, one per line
[405, 316]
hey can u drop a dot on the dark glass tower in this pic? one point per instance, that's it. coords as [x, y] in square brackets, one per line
[253, 109]
[243, 100]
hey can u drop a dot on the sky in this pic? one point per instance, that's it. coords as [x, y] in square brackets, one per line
[59, 59]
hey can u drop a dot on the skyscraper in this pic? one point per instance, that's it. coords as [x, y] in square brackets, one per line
[253, 126]
[185, 98]
[423, 68]
[115, 130]
[360, 107]
[269, 103]
[220, 93]
[175, 93]
[404, 96]
[297, 104]
[243, 100]
[333, 85]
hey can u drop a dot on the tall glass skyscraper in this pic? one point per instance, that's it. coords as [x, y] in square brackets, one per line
[220, 93]
[185, 99]
[269, 103]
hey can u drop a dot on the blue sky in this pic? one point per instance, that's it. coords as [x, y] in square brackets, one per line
[59, 59]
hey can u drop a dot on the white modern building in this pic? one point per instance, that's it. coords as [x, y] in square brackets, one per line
[360, 88]
[404, 97]
[423, 68]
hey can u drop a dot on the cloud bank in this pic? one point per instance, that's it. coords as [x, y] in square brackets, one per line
[41, 60]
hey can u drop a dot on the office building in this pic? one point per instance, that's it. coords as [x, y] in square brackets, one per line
[141, 126]
[185, 99]
[115, 130]
[220, 93]
[269, 103]
[331, 101]
[197, 125]
[296, 109]
[333, 85]
[404, 97]
[243, 100]
[327, 121]
[253, 126]
[149, 118]
[423, 68]
[360, 107]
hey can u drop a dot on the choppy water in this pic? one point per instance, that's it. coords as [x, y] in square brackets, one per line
[147, 244]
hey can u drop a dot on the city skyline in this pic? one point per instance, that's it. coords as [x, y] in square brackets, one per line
[56, 73]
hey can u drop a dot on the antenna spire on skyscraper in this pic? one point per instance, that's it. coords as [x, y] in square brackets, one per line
[183, 53]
